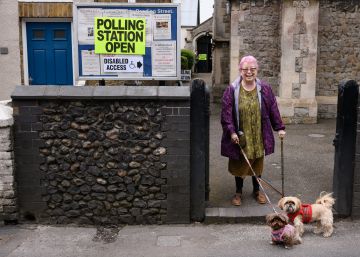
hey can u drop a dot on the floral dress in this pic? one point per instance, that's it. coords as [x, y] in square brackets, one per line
[250, 120]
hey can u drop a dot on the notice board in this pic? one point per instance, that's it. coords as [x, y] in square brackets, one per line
[122, 41]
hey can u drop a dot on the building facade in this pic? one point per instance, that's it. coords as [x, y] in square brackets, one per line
[9, 48]
[28, 23]
[305, 48]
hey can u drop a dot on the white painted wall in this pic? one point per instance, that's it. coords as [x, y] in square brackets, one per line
[10, 63]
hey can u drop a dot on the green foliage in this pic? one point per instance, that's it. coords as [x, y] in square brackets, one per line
[184, 63]
[190, 56]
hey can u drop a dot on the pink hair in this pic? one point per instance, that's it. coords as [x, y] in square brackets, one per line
[248, 58]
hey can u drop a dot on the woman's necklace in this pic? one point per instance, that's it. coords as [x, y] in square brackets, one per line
[248, 87]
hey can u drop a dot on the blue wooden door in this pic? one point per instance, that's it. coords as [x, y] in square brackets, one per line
[49, 53]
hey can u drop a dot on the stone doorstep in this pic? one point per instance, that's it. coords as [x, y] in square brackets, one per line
[237, 214]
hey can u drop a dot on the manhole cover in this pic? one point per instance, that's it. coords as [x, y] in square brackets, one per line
[316, 135]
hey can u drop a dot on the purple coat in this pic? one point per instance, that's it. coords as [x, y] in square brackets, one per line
[270, 117]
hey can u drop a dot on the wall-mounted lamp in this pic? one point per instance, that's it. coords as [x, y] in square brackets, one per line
[228, 7]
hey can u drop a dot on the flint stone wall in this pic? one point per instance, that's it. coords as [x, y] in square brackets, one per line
[103, 155]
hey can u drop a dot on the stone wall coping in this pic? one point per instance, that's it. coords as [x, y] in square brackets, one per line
[6, 119]
[101, 92]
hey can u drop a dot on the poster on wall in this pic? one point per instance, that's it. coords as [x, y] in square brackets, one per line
[122, 63]
[86, 24]
[164, 59]
[90, 63]
[162, 26]
[127, 41]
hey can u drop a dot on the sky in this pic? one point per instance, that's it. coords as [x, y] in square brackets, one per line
[188, 11]
[206, 9]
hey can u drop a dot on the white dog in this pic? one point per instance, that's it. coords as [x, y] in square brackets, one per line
[300, 213]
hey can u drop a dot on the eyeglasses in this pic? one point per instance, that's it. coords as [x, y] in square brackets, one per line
[252, 69]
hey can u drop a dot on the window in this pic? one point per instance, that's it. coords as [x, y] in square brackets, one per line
[59, 34]
[38, 34]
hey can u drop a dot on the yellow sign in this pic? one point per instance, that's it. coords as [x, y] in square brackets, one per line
[119, 36]
[202, 57]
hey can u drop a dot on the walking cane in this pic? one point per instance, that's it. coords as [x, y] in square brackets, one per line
[282, 165]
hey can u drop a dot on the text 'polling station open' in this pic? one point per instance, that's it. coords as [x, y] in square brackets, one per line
[120, 35]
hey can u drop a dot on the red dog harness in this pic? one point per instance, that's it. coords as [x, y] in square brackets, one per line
[305, 211]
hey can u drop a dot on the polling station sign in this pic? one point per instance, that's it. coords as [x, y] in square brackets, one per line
[122, 63]
[120, 35]
[126, 41]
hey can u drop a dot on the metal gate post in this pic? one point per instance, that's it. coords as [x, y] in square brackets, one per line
[344, 142]
[199, 143]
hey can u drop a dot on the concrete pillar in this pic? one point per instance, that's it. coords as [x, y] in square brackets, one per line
[299, 36]
[236, 41]
[220, 56]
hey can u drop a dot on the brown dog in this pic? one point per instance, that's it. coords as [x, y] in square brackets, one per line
[300, 213]
[281, 231]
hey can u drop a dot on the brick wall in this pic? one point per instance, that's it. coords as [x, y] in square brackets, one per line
[338, 49]
[103, 155]
[8, 211]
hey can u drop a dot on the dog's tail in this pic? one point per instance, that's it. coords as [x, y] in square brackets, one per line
[326, 199]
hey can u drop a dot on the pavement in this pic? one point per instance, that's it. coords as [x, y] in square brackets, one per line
[193, 240]
[308, 167]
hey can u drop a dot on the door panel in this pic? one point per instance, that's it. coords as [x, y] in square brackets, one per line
[39, 57]
[49, 53]
[60, 66]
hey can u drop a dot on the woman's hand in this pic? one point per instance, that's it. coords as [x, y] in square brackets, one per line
[234, 138]
[281, 133]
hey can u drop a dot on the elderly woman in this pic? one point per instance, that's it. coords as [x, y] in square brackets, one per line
[249, 105]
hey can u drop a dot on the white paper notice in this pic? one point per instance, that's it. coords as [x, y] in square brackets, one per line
[121, 13]
[122, 63]
[149, 17]
[163, 58]
[86, 18]
[162, 26]
[90, 62]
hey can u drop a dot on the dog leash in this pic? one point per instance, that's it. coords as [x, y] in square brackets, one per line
[267, 183]
[282, 166]
[258, 179]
